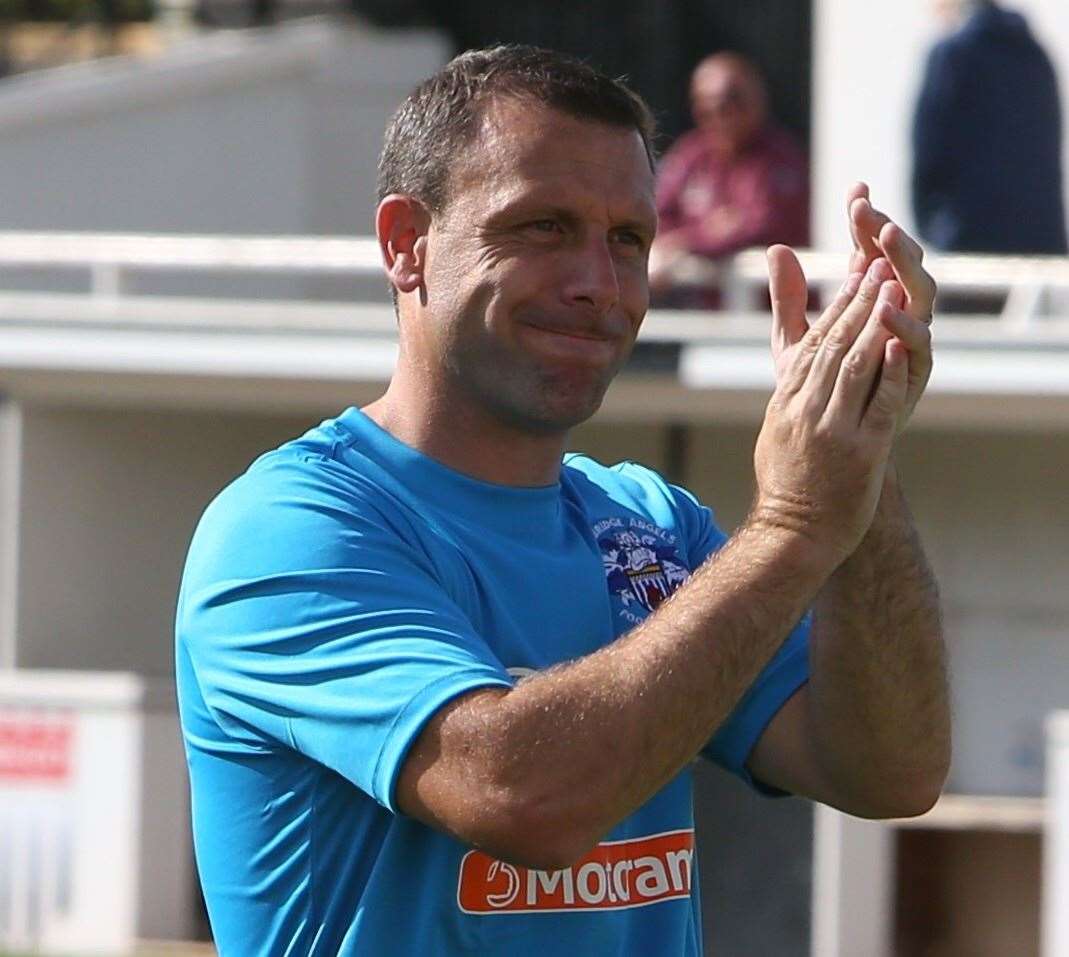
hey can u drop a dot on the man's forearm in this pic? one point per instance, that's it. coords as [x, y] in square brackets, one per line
[878, 687]
[591, 740]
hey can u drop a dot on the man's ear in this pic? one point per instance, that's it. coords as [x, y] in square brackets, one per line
[401, 224]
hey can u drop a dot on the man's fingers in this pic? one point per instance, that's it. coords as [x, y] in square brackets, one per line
[889, 399]
[865, 225]
[906, 257]
[916, 336]
[831, 335]
[858, 190]
[874, 234]
[793, 374]
[858, 262]
[846, 368]
[893, 236]
[789, 293]
[840, 337]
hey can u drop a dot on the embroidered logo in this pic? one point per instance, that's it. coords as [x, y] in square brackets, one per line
[615, 875]
[642, 566]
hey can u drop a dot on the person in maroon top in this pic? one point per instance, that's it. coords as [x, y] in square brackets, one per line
[736, 180]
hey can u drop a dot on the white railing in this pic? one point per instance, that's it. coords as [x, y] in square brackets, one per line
[1032, 285]
[274, 320]
[110, 257]
[1035, 287]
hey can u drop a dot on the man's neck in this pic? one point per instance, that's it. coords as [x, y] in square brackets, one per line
[468, 440]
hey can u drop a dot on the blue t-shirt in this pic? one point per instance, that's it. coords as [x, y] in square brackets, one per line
[335, 597]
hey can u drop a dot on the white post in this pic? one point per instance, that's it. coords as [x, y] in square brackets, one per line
[10, 481]
[107, 280]
[1055, 903]
[853, 885]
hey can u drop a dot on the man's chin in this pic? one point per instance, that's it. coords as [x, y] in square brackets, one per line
[565, 417]
[554, 417]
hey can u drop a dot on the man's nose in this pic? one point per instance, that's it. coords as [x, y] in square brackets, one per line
[592, 279]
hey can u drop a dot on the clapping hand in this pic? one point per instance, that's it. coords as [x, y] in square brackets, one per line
[845, 385]
[906, 312]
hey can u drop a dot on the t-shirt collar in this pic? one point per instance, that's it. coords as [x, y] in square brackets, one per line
[446, 488]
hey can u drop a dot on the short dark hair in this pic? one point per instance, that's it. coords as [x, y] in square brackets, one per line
[441, 115]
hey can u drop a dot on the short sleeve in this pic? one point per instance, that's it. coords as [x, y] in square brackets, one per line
[788, 670]
[699, 528]
[667, 505]
[316, 622]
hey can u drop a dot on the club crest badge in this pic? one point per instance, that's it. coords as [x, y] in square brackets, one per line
[642, 565]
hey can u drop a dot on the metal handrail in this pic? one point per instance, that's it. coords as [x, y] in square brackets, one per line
[110, 256]
[215, 253]
[1028, 281]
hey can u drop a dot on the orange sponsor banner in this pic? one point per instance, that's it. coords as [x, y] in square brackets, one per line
[615, 875]
[35, 750]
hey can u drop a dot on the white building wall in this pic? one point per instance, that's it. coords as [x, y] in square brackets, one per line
[273, 132]
[225, 160]
[108, 505]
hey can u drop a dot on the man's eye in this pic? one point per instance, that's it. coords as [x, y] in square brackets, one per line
[630, 238]
[544, 226]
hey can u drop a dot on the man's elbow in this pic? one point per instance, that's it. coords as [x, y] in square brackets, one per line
[907, 795]
[908, 803]
[536, 834]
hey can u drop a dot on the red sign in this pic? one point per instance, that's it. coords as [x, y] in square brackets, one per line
[35, 749]
[615, 875]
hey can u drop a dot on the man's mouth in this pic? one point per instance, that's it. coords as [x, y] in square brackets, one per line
[581, 345]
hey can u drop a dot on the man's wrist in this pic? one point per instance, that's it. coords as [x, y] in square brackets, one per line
[890, 476]
[790, 543]
[892, 503]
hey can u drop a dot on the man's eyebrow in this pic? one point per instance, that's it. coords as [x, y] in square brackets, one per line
[643, 224]
[535, 206]
[532, 206]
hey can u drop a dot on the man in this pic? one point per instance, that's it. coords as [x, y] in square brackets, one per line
[987, 167]
[736, 180]
[368, 774]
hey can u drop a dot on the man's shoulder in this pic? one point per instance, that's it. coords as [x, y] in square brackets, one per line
[306, 467]
[641, 498]
[303, 495]
[624, 475]
[957, 50]
[627, 483]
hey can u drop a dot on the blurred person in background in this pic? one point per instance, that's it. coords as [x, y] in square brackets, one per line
[737, 180]
[987, 173]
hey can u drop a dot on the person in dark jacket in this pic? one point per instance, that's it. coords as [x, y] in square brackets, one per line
[987, 171]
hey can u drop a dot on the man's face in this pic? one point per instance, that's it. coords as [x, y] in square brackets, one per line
[727, 101]
[535, 272]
